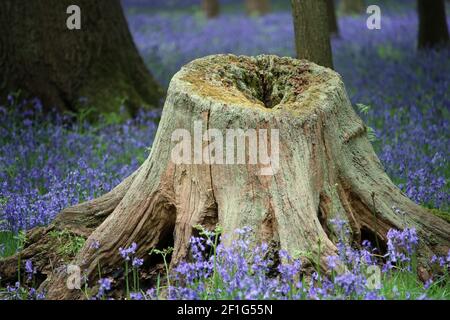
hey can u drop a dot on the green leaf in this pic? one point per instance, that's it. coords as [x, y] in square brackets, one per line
[362, 108]
[371, 134]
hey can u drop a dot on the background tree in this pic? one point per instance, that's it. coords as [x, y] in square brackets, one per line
[433, 29]
[312, 35]
[352, 6]
[211, 8]
[332, 19]
[258, 7]
[43, 58]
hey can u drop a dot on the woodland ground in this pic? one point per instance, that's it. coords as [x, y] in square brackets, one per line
[48, 162]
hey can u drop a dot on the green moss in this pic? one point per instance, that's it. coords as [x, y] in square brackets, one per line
[68, 244]
[441, 214]
[109, 91]
[267, 83]
[222, 78]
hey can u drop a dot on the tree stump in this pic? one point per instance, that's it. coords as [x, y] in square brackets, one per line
[321, 166]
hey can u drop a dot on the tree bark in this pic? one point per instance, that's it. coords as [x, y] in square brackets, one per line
[326, 169]
[211, 8]
[312, 36]
[353, 6]
[41, 57]
[433, 29]
[332, 19]
[258, 7]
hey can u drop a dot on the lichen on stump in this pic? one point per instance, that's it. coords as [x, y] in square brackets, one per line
[326, 170]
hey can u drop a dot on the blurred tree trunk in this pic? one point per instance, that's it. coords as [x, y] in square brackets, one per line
[352, 6]
[433, 29]
[258, 7]
[312, 35]
[332, 19]
[211, 8]
[42, 58]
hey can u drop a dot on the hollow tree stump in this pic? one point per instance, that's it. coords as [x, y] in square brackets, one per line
[321, 167]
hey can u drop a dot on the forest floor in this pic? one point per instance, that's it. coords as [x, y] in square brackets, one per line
[402, 95]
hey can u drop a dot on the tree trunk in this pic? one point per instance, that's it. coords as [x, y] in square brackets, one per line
[43, 58]
[353, 6]
[321, 167]
[312, 35]
[257, 7]
[332, 20]
[433, 29]
[211, 8]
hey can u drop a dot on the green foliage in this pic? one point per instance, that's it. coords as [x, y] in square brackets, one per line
[82, 116]
[9, 245]
[164, 253]
[402, 284]
[68, 244]
[21, 239]
[364, 110]
[389, 52]
[441, 214]
[371, 135]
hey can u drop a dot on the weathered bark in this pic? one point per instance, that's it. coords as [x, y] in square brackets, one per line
[312, 36]
[326, 169]
[41, 57]
[211, 8]
[433, 29]
[353, 6]
[258, 7]
[332, 20]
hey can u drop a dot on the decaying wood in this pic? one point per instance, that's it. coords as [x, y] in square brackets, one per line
[327, 169]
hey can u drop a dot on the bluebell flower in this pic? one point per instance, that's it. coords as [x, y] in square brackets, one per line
[29, 269]
[136, 296]
[332, 262]
[104, 287]
[401, 245]
[128, 252]
[137, 262]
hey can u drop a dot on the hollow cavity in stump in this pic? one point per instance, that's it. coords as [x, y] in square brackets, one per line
[326, 169]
